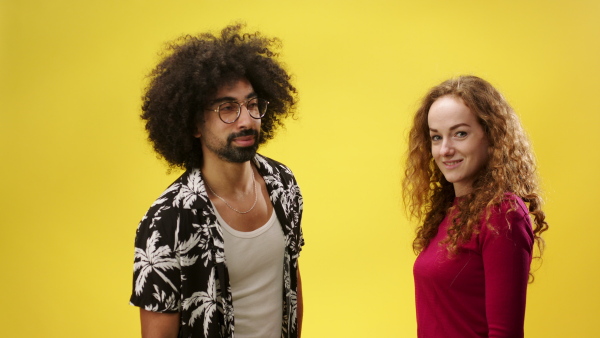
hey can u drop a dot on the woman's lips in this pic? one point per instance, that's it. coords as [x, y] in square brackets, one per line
[452, 164]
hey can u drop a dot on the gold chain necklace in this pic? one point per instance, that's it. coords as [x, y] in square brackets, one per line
[232, 208]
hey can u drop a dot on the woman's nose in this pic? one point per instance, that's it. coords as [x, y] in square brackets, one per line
[447, 149]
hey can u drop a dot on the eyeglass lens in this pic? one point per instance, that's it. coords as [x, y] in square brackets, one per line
[230, 111]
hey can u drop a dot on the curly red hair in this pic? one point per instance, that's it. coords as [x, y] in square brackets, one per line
[511, 167]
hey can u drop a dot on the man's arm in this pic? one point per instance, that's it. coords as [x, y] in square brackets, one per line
[299, 305]
[159, 325]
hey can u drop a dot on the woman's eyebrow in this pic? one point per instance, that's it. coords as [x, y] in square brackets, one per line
[453, 127]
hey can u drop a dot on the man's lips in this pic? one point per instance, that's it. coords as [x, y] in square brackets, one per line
[244, 140]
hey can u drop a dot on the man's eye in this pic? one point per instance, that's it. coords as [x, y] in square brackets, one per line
[252, 105]
[227, 107]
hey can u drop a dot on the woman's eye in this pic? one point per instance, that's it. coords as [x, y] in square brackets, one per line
[435, 137]
[461, 134]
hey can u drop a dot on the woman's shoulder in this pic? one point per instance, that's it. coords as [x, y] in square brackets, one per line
[510, 212]
[512, 203]
[509, 220]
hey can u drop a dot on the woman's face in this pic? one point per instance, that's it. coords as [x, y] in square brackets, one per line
[458, 142]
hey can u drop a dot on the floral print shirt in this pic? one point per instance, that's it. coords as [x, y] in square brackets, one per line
[180, 263]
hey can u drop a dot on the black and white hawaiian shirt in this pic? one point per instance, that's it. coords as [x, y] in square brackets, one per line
[180, 263]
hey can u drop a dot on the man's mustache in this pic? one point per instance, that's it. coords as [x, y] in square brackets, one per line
[245, 132]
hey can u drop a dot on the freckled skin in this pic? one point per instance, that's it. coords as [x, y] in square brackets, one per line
[458, 142]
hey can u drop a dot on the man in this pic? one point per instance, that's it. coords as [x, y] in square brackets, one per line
[217, 252]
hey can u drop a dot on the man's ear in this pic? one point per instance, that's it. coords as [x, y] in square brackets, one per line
[197, 134]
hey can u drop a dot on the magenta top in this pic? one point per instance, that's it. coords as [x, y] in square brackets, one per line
[481, 291]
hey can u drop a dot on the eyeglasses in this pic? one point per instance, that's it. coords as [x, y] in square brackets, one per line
[229, 112]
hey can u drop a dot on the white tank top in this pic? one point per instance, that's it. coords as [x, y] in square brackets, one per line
[255, 263]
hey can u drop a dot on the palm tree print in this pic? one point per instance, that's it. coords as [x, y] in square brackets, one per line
[207, 300]
[155, 260]
[180, 256]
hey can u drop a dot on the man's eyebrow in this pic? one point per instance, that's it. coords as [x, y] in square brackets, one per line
[231, 99]
[453, 127]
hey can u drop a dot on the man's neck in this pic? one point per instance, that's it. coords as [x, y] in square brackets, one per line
[227, 177]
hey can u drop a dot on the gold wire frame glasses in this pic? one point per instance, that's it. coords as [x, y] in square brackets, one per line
[230, 111]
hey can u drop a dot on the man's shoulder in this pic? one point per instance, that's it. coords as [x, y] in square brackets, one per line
[182, 198]
[269, 166]
[186, 192]
[175, 188]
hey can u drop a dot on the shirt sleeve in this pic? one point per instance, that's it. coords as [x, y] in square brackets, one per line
[506, 252]
[300, 233]
[157, 270]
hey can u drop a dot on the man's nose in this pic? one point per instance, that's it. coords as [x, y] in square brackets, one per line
[245, 119]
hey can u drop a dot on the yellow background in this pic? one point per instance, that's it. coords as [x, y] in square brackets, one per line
[77, 174]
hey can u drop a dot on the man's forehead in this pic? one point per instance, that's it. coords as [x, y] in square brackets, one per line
[234, 90]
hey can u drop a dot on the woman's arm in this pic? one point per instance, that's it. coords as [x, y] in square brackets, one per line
[506, 260]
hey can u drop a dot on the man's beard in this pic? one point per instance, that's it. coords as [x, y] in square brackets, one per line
[238, 154]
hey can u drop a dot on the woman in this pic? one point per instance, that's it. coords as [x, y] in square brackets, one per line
[470, 178]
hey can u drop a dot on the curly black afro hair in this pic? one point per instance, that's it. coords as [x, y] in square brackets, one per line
[191, 71]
